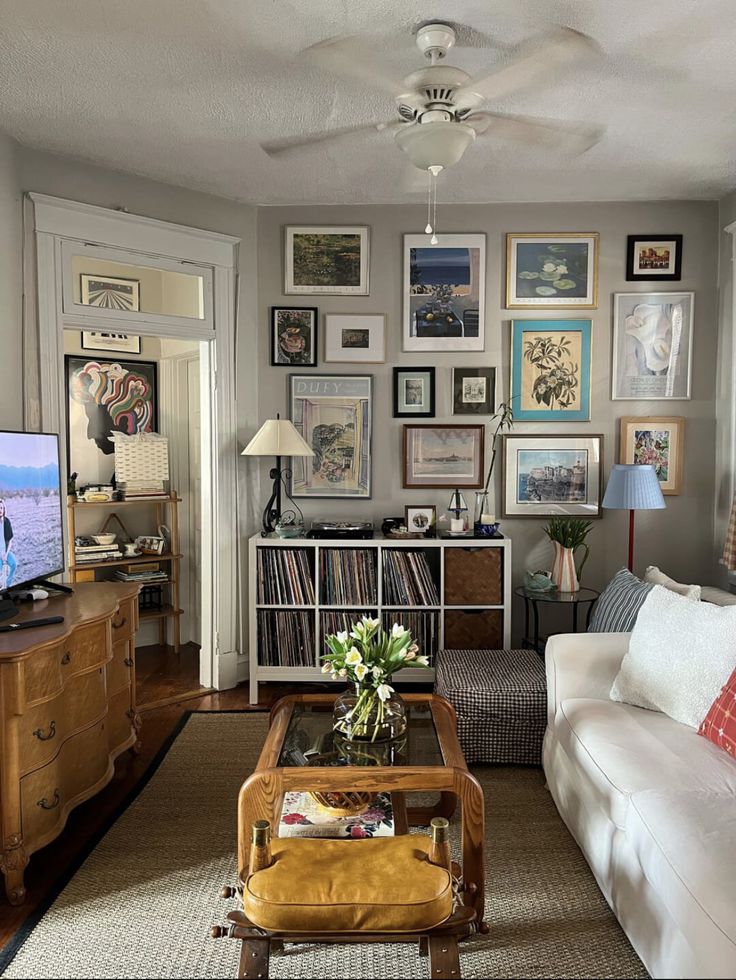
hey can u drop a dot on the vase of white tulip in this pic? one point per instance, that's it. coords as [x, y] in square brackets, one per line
[366, 657]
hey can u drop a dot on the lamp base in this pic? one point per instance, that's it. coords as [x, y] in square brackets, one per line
[631, 540]
[272, 510]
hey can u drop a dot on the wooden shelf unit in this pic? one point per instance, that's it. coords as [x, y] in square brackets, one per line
[486, 565]
[170, 610]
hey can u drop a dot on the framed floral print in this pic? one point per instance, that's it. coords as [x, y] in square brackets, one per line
[414, 393]
[550, 370]
[546, 476]
[443, 456]
[654, 258]
[332, 260]
[293, 336]
[552, 271]
[652, 346]
[657, 442]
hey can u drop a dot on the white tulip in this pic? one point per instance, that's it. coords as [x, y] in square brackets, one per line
[342, 636]
[422, 661]
[360, 671]
[326, 667]
[384, 692]
[353, 657]
[397, 631]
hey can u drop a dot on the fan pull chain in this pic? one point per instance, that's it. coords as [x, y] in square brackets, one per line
[434, 171]
[428, 229]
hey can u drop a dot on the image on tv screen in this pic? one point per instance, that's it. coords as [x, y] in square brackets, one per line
[31, 541]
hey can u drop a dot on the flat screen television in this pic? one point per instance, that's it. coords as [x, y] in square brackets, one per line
[31, 527]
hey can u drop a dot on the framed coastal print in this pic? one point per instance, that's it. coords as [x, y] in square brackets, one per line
[355, 337]
[106, 396]
[443, 456]
[552, 271]
[332, 260]
[546, 476]
[444, 293]
[652, 345]
[334, 415]
[111, 342]
[654, 258]
[414, 392]
[473, 390]
[110, 292]
[658, 442]
[550, 370]
[293, 336]
[420, 519]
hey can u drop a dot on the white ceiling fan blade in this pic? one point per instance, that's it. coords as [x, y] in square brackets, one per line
[577, 136]
[351, 56]
[288, 144]
[537, 58]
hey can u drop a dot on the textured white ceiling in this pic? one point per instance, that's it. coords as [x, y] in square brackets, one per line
[185, 90]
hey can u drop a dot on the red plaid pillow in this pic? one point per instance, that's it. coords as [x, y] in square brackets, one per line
[719, 725]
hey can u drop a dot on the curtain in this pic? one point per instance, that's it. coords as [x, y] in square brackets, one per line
[729, 549]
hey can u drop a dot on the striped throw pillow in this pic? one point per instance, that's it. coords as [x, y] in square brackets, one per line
[619, 604]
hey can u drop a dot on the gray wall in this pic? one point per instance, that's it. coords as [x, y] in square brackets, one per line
[11, 363]
[678, 539]
[725, 434]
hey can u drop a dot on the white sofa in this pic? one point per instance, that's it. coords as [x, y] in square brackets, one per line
[653, 807]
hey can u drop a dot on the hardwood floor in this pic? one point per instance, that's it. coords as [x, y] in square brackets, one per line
[163, 676]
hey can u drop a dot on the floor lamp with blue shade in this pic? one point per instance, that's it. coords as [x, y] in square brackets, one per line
[632, 487]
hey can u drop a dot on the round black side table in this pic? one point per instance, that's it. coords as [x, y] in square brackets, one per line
[573, 599]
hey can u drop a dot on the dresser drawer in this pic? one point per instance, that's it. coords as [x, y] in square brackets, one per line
[120, 668]
[49, 793]
[125, 620]
[43, 728]
[46, 673]
[119, 720]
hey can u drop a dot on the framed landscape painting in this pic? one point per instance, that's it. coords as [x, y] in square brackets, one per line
[658, 442]
[443, 456]
[355, 337]
[552, 271]
[652, 346]
[444, 293]
[654, 258]
[333, 414]
[546, 476]
[473, 390]
[414, 392]
[293, 336]
[550, 370]
[329, 259]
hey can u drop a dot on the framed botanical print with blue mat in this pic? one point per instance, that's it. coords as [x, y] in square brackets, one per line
[550, 370]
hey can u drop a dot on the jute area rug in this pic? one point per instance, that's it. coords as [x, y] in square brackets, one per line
[142, 902]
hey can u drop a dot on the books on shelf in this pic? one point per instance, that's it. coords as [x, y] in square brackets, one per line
[302, 816]
[348, 576]
[143, 489]
[423, 626]
[285, 638]
[285, 577]
[157, 576]
[407, 579]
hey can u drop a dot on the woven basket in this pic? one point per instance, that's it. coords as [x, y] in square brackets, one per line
[141, 458]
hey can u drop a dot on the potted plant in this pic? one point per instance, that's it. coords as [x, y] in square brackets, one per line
[484, 516]
[567, 534]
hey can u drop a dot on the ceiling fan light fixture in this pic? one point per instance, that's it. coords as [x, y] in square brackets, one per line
[435, 144]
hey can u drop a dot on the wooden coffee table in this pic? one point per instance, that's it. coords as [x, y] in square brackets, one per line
[431, 760]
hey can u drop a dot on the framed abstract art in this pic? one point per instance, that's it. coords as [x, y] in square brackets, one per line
[552, 271]
[655, 441]
[550, 370]
[546, 476]
[652, 346]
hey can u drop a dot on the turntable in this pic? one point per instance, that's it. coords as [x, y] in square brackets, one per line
[341, 529]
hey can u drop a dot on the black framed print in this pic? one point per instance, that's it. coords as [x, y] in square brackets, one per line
[294, 336]
[654, 258]
[414, 392]
[473, 391]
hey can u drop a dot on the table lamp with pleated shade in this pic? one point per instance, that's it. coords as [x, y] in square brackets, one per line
[276, 437]
[632, 487]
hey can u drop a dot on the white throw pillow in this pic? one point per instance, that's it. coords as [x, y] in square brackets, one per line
[681, 653]
[656, 577]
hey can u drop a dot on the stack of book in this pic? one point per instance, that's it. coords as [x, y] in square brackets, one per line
[286, 639]
[348, 576]
[285, 577]
[407, 579]
[142, 574]
[87, 551]
[143, 489]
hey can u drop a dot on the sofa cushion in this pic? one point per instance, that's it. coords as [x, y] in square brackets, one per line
[655, 576]
[623, 750]
[719, 725]
[619, 604]
[680, 655]
[685, 841]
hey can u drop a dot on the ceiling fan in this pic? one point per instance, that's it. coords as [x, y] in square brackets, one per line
[442, 109]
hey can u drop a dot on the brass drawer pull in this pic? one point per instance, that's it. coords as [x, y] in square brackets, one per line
[128, 661]
[45, 738]
[66, 659]
[119, 626]
[45, 805]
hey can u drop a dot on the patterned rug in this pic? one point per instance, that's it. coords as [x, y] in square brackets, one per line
[142, 902]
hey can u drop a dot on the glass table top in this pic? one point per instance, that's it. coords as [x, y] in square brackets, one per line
[310, 741]
[582, 595]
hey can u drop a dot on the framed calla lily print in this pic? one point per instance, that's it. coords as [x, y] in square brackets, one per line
[545, 271]
[550, 370]
[652, 346]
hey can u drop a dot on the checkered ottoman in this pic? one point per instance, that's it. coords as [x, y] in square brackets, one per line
[500, 697]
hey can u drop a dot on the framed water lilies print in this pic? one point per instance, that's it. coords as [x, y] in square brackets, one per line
[552, 271]
[652, 346]
[658, 442]
[331, 260]
[550, 370]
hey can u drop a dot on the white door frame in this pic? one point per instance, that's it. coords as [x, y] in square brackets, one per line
[56, 221]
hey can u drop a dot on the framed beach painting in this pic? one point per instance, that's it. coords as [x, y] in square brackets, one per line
[332, 260]
[552, 271]
[444, 293]
[414, 392]
[655, 441]
[550, 370]
[334, 416]
[443, 456]
[546, 476]
[473, 390]
[355, 337]
[654, 258]
[293, 336]
[652, 346]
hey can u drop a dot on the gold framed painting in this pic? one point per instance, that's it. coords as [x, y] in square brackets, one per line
[548, 272]
[656, 441]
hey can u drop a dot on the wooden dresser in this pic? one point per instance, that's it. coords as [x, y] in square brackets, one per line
[67, 709]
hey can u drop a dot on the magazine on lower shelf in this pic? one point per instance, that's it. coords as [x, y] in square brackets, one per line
[302, 816]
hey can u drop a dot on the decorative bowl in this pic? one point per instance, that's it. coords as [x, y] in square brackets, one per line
[104, 538]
